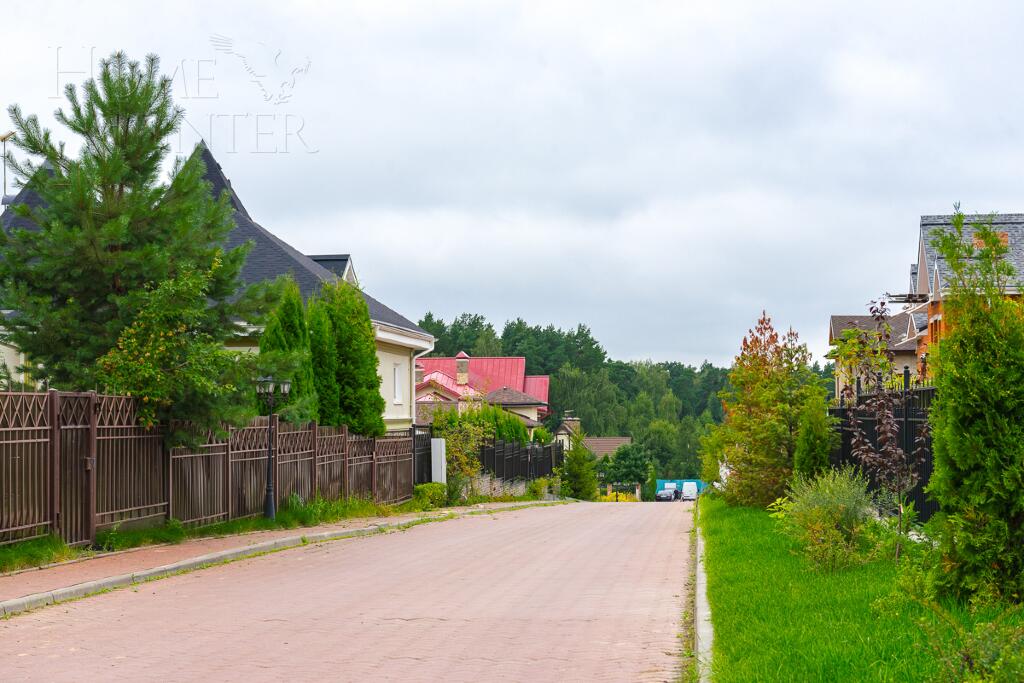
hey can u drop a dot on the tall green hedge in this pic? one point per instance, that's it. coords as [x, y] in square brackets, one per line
[287, 337]
[978, 419]
[323, 347]
[361, 405]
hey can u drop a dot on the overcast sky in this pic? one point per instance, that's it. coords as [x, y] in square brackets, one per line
[660, 172]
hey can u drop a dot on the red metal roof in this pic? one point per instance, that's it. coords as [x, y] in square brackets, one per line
[487, 374]
[537, 386]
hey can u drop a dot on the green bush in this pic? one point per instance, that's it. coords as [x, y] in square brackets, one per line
[542, 436]
[816, 437]
[977, 419]
[434, 494]
[579, 480]
[456, 488]
[828, 514]
[538, 488]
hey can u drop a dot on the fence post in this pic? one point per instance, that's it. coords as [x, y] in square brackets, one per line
[275, 435]
[344, 461]
[412, 461]
[373, 469]
[908, 441]
[90, 468]
[316, 459]
[169, 487]
[54, 408]
[227, 474]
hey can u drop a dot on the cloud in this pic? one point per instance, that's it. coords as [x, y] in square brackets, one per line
[661, 173]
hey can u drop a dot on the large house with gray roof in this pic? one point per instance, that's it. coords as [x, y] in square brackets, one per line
[399, 341]
[921, 324]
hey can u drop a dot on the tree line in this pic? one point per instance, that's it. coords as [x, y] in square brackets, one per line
[665, 407]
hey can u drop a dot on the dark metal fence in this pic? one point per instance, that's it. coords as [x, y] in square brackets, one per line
[511, 461]
[911, 415]
[421, 454]
[72, 463]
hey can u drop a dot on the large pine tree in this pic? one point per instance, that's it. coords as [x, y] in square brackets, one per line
[106, 226]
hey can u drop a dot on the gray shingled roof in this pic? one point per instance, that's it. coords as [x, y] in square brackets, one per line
[899, 323]
[506, 396]
[270, 256]
[336, 263]
[1010, 223]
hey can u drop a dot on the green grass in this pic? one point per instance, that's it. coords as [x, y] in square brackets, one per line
[776, 619]
[35, 553]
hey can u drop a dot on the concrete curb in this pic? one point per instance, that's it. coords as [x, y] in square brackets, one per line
[705, 634]
[81, 590]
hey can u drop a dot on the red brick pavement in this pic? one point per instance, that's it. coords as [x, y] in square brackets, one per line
[575, 592]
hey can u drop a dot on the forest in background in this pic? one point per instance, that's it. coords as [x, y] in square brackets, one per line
[664, 406]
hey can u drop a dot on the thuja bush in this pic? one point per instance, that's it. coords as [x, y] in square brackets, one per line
[978, 419]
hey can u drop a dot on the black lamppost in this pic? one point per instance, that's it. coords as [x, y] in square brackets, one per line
[265, 387]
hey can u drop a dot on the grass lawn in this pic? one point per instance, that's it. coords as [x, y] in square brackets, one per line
[776, 619]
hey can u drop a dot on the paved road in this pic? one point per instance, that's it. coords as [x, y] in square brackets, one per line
[574, 592]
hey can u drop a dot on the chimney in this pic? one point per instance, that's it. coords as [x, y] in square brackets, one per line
[571, 422]
[419, 373]
[462, 368]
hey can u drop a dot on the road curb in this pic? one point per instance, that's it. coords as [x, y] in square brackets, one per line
[81, 590]
[705, 633]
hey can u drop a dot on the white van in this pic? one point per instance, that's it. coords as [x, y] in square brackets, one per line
[689, 490]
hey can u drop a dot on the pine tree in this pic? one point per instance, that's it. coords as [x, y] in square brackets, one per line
[323, 348]
[107, 228]
[361, 404]
[286, 338]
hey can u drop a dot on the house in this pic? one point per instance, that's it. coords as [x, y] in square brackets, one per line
[930, 274]
[920, 324]
[903, 341]
[461, 380]
[599, 446]
[399, 341]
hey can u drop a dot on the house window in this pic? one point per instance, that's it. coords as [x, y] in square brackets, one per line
[397, 369]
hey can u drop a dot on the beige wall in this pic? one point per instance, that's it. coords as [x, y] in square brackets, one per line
[525, 411]
[394, 364]
[12, 358]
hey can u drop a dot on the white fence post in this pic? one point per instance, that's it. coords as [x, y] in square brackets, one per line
[438, 461]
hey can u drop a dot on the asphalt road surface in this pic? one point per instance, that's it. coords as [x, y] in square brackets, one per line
[572, 592]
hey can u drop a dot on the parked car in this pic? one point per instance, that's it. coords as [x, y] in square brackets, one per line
[665, 494]
[689, 490]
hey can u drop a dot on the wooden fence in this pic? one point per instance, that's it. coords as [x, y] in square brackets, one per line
[73, 463]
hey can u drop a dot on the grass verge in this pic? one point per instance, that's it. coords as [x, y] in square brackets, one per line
[775, 619]
[292, 515]
[35, 553]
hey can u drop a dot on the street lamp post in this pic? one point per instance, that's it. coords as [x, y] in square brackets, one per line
[266, 387]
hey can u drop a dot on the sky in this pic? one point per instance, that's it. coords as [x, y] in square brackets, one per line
[661, 172]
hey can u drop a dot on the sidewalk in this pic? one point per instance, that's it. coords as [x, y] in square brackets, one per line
[151, 561]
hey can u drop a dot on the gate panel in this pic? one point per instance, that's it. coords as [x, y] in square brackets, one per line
[75, 469]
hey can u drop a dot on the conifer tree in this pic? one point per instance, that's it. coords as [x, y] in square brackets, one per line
[77, 266]
[323, 347]
[361, 404]
[286, 336]
[977, 418]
